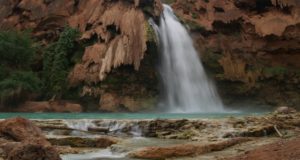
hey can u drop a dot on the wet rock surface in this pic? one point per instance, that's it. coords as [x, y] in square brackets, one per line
[217, 138]
[176, 139]
[189, 129]
[184, 150]
[33, 151]
[22, 140]
[81, 142]
[22, 130]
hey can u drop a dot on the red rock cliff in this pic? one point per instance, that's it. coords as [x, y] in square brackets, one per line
[117, 32]
[119, 27]
[251, 45]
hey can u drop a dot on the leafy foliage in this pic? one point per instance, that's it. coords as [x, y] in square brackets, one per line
[17, 52]
[16, 87]
[27, 80]
[57, 61]
[275, 71]
[16, 49]
[3, 72]
[17, 81]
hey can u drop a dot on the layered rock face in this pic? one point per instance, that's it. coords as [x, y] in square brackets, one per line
[252, 46]
[116, 34]
[48, 106]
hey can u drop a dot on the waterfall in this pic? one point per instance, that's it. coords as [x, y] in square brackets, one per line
[187, 89]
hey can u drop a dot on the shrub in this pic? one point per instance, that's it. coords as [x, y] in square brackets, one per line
[275, 71]
[17, 87]
[17, 81]
[3, 72]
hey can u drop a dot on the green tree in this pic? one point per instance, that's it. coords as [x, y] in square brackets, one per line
[57, 62]
[17, 81]
[16, 49]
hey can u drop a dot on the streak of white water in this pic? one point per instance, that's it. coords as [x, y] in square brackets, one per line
[115, 127]
[187, 89]
[82, 124]
[102, 154]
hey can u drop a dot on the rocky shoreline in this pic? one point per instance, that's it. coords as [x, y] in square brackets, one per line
[239, 137]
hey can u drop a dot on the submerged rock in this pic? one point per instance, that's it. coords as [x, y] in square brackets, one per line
[90, 142]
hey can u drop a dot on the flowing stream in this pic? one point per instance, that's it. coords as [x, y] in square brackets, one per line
[187, 89]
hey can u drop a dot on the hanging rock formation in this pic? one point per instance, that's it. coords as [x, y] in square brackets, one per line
[252, 46]
[121, 35]
[117, 28]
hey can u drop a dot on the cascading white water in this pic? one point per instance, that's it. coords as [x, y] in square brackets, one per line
[186, 86]
[115, 127]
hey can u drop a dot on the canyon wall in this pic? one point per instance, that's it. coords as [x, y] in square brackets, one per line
[117, 65]
[251, 47]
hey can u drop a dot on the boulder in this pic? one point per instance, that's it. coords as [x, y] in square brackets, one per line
[110, 102]
[22, 130]
[22, 140]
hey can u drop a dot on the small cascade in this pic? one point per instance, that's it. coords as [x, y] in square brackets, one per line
[136, 131]
[113, 127]
[187, 89]
[82, 125]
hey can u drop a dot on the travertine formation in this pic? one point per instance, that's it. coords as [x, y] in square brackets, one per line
[117, 29]
[208, 13]
[120, 32]
[248, 42]
[114, 33]
[252, 46]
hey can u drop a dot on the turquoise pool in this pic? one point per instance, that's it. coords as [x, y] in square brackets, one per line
[126, 115]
